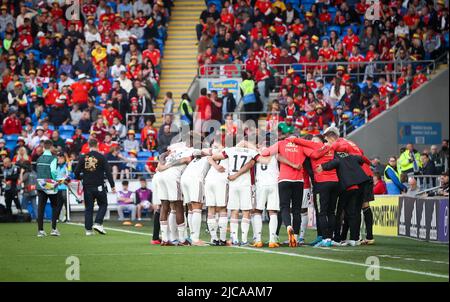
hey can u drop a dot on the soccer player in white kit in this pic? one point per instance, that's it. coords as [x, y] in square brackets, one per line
[192, 184]
[169, 190]
[216, 196]
[241, 179]
[266, 198]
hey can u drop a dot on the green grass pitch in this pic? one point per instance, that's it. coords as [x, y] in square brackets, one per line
[128, 256]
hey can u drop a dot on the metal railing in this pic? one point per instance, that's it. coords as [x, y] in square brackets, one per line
[356, 70]
[425, 182]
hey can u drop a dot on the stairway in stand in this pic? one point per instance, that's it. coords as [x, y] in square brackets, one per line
[179, 64]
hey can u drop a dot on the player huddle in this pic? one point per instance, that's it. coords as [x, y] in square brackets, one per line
[284, 178]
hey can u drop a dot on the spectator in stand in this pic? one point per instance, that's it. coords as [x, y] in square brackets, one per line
[59, 114]
[58, 142]
[100, 129]
[165, 138]
[12, 124]
[94, 112]
[208, 19]
[394, 185]
[168, 104]
[85, 122]
[413, 189]
[436, 158]
[149, 136]
[444, 153]
[131, 164]
[409, 160]
[114, 158]
[428, 168]
[80, 91]
[444, 188]
[130, 143]
[75, 115]
[38, 137]
[369, 89]
[337, 92]
[379, 187]
[3, 147]
[247, 89]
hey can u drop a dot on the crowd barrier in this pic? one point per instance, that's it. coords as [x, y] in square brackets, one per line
[423, 218]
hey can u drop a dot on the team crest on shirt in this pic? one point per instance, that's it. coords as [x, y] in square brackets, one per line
[90, 164]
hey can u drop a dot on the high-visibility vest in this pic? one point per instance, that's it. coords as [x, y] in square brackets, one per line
[386, 178]
[181, 109]
[248, 87]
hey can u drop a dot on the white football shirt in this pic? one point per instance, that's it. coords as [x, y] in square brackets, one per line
[267, 174]
[237, 158]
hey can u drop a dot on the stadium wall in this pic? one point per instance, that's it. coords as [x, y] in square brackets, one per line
[427, 104]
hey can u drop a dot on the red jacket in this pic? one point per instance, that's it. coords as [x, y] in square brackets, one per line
[12, 126]
[379, 188]
[319, 154]
[343, 145]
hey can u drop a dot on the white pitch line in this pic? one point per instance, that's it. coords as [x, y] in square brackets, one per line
[113, 229]
[389, 268]
[413, 259]
[136, 254]
[349, 263]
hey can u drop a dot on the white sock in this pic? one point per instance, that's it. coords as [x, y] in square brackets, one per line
[252, 222]
[273, 224]
[257, 227]
[189, 221]
[181, 229]
[173, 235]
[304, 225]
[212, 226]
[186, 232]
[223, 224]
[196, 225]
[245, 226]
[164, 231]
[234, 227]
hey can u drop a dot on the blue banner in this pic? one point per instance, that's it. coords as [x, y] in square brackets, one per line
[419, 133]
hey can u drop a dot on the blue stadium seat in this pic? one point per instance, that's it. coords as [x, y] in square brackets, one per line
[337, 29]
[307, 6]
[66, 128]
[11, 137]
[295, 3]
[297, 67]
[10, 145]
[145, 154]
[65, 136]
[86, 136]
[137, 136]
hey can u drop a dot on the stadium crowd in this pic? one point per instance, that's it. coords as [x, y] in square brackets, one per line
[340, 40]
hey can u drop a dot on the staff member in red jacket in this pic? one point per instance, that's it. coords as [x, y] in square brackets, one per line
[326, 186]
[366, 189]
